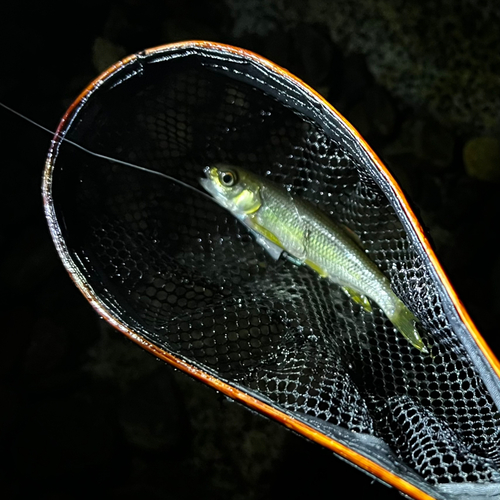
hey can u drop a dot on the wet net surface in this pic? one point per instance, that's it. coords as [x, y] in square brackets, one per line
[188, 276]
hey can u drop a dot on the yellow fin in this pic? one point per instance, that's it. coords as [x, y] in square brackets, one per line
[316, 268]
[263, 231]
[405, 322]
[358, 298]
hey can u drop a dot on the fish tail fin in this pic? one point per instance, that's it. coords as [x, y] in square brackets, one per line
[405, 323]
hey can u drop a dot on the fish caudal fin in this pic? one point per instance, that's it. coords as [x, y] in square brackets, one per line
[405, 322]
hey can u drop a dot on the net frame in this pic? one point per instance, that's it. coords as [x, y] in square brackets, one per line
[243, 69]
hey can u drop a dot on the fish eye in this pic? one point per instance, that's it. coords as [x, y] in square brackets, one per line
[228, 178]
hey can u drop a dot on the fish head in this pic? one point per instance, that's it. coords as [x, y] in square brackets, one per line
[234, 188]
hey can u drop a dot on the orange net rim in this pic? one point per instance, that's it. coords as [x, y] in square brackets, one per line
[358, 459]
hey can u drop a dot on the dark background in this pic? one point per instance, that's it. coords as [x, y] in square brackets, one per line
[86, 412]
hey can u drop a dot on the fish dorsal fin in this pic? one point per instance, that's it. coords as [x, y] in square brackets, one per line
[331, 221]
[354, 237]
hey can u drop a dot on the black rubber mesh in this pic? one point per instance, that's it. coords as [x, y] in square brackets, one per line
[184, 273]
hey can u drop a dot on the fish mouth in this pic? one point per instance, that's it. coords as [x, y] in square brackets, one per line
[206, 181]
[209, 185]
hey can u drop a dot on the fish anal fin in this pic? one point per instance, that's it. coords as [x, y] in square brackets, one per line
[358, 298]
[316, 268]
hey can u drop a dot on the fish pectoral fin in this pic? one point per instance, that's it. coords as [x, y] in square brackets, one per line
[362, 300]
[272, 249]
[264, 238]
[261, 230]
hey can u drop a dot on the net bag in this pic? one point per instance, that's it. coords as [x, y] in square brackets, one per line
[183, 278]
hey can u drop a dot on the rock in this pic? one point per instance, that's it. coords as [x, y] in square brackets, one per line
[46, 348]
[276, 46]
[312, 49]
[180, 29]
[358, 116]
[374, 116]
[381, 110]
[434, 143]
[29, 265]
[482, 158]
[495, 278]
[431, 193]
[349, 79]
[428, 141]
[406, 169]
[63, 435]
[151, 414]
[461, 207]
[450, 69]
[105, 53]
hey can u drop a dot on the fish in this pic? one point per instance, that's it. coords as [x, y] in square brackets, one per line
[282, 222]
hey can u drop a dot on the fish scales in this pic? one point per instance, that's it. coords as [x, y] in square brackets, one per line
[308, 235]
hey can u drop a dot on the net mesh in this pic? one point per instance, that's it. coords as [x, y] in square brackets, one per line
[187, 275]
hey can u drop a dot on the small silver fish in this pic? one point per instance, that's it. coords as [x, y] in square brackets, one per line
[281, 222]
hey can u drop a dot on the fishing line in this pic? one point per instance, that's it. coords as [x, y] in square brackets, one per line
[108, 158]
